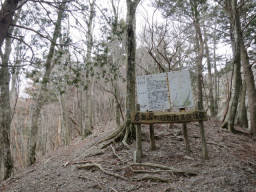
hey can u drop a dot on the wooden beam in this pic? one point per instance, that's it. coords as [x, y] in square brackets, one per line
[168, 117]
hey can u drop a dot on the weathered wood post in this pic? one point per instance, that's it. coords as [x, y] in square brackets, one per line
[204, 145]
[138, 153]
[152, 137]
[185, 134]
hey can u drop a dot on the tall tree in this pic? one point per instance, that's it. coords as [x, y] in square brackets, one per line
[87, 128]
[43, 87]
[192, 10]
[231, 9]
[130, 59]
[247, 20]
[6, 17]
[209, 69]
[195, 5]
[5, 107]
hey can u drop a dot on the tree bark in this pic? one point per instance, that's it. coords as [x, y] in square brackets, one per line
[6, 18]
[242, 119]
[250, 86]
[5, 116]
[233, 12]
[200, 49]
[115, 59]
[65, 130]
[209, 68]
[215, 74]
[117, 103]
[36, 109]
[130, 70]
[87, 127]
[15, 71]
[5, 108]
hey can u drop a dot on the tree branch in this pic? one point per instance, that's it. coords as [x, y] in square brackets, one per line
[249, 22]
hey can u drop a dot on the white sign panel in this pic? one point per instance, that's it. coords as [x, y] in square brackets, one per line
[181, 94]
[153, 91]
[142, 92]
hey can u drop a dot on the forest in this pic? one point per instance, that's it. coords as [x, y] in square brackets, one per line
[68, 71]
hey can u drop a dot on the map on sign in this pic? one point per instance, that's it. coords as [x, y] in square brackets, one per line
[154, 94]
[180, 89]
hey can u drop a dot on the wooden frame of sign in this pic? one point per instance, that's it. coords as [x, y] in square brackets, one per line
[166, 91]
[152, 118]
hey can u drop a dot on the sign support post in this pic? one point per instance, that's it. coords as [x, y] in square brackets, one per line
[185, 134]
[204, 145]
[152, 137]
[138, 153]
[157, 93]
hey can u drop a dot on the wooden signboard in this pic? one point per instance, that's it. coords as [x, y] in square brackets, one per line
[181, 95]
[152, 92]
[159, 92]
[163, 91]
[168, 117]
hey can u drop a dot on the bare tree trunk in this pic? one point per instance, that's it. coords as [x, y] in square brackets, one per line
[5, 116]
[117, 103]
[242, 111]
[130, 71]
[6, 17]
[40, 97]
[14, 92]
[5, 108]
[87, 127]
[209, 68]
[251, 91]
[65, 130]
[215, 74]
[115, 55]
[200, 48]
[232, 10]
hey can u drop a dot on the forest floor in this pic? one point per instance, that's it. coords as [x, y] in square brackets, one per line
[84, 167]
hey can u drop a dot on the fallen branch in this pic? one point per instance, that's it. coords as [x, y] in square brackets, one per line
[152, 178]
[173, 170]
[217, 144]
[90, 165]
[101, 185]
[97, 182]
[113, 189]
[151, 171]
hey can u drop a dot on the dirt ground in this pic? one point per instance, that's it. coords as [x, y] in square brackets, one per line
[84, 167]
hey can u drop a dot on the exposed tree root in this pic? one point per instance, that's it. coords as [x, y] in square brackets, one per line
[90, 165]
[113, 189]
[153, 178]
[111, 138]
[225, 125]
[114, 152]
[102, 186]
[94, 180]
[170, 169]
[217, 144]
[125, 133]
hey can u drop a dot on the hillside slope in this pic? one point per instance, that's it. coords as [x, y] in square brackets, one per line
[84, 167]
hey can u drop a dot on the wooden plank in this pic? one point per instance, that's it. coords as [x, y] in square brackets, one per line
[168, 117]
